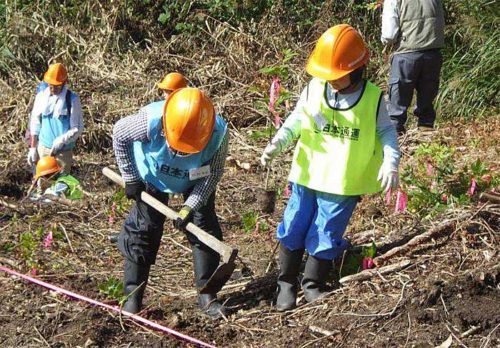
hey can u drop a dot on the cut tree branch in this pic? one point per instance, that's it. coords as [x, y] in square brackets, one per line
[434, 232]
[489, 197]
[369, 273]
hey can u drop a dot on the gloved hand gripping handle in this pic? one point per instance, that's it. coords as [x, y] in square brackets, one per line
[228, 254]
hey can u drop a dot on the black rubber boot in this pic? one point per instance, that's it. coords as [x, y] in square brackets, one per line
[135, 279]
[205, 262]
[314, 279]
[287, 279]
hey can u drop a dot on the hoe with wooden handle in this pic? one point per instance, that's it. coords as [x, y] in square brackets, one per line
[227, 253]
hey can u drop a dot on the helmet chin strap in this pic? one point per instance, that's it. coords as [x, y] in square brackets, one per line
[178, 153]
[349, 88]
[355, 78]
[346, 88]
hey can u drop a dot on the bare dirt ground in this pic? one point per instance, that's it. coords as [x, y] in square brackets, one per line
[450, 289]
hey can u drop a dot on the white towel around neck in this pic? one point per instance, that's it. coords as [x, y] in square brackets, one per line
[52, 104]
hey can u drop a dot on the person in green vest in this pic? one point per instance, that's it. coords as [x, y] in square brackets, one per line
[54, 181]
[347, 146]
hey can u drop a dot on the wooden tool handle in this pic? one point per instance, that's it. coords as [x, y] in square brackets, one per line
[223, 249]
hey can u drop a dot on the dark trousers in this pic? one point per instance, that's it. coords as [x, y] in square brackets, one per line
[141, 234]
[414, 71]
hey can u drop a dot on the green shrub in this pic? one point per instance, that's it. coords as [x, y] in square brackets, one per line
[448, 184]
[249, 221]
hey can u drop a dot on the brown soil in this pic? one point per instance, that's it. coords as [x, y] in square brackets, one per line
[451, 288]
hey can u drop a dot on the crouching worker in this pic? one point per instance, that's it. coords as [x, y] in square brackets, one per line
[173, 146]
[347, 147]
[54, 181]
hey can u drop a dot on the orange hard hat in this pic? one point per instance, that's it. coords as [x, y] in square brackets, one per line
[47, 165]
[56, 75]
[172, 82]
[188, 120]
[339, 51]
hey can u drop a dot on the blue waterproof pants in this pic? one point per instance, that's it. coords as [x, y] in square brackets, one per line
[316, 221]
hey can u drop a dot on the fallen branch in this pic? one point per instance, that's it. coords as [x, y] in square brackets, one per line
[67, 237]
[9, 205]
[271, 258]
[12, 206]
[369, 273]
[62, 200]
[489, 197]
[322, 331]
[363, 236]
[32, 187]
[7, 262]
[420, 239]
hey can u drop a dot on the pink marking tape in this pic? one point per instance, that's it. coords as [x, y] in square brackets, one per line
[113, 308]
[274, 93]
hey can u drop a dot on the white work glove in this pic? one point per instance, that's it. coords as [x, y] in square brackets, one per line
[389, 177]
[57, 145]
[32, 156]
[64, 139]
[271, 151]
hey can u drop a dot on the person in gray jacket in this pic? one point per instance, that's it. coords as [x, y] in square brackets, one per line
[415, 30]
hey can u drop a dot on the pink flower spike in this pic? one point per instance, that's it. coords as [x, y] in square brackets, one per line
[112, 216]
[388, 197]
[287, 192]
[277, 120]
[401, 201]
[368, 263]
[473, 186]
[444, 198]
[429, 169]
[433, 185]
[33, 271]
[274, 93]
[48, 240]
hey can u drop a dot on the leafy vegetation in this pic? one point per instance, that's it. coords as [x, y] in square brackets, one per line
[27, 246]
[249, 221]
[120, 203]
[435, 181]
[113, 289]
[470, 70]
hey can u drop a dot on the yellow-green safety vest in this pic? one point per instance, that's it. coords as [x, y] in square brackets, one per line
[338, 150]
[74, 190]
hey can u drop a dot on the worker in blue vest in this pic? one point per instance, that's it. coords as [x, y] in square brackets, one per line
[56, 119]
[347, 147]
[178, 145]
